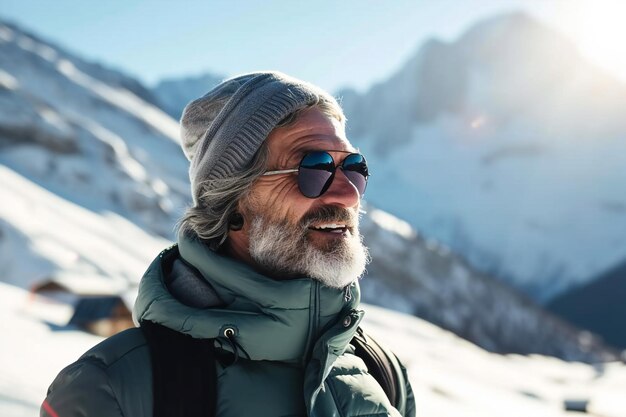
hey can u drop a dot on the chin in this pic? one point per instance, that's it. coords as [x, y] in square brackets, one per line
[337, 265]
[336, 261]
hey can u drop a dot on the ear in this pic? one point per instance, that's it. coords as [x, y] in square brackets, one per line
[235, 221]
[237, 244]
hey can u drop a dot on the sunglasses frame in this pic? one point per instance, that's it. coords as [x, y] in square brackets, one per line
[331, 178]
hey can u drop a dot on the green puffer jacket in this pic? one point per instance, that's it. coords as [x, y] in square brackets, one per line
[295, 335]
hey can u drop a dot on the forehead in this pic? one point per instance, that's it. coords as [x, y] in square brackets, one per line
[312, 130]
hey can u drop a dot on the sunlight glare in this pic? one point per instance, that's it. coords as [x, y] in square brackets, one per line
[601, 33]
[478, 122]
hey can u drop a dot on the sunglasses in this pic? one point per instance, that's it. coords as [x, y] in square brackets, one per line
[317, 171]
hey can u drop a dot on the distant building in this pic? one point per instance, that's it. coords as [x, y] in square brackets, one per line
[99, 305]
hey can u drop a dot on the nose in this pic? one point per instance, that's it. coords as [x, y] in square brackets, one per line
[341, 192]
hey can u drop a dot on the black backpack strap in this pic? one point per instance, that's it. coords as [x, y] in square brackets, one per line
[384, 367]
[184, 380]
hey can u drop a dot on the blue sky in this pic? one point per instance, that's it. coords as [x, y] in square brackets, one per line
[331, 43]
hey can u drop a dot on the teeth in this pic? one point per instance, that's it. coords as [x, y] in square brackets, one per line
[330, 226]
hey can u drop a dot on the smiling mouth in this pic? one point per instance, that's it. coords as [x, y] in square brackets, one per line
[337, 228]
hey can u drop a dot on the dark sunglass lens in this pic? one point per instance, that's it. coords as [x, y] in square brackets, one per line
[318, 160]
[316, 170]
[355, 168]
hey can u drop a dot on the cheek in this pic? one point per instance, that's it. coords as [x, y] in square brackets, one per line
[276, 191]
[279, 200]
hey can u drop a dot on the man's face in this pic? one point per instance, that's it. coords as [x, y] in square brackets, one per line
[281, 235]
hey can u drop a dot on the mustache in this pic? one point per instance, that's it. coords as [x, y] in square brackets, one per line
[330, 214]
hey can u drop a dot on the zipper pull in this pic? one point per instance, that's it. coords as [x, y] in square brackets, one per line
[347, 293]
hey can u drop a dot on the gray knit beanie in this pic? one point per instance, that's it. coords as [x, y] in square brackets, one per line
[222, 130]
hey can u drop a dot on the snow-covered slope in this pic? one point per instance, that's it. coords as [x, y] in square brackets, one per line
[507, 146]
[450, 376]
[433, 283]
[87, 167]
[42, 233]
[65, 126]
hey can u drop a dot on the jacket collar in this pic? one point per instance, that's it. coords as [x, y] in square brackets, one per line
[272, 320]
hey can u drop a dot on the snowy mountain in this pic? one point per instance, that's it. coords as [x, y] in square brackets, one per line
[508, 147]
[67, 127]
[420, 277]
[173, 94]
[92, 180]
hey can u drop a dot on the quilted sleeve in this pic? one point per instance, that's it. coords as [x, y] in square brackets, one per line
[81, 390]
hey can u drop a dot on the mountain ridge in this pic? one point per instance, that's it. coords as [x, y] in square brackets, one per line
[103, 72]
[506, 145]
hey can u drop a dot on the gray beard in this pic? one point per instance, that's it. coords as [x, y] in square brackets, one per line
[282, 249]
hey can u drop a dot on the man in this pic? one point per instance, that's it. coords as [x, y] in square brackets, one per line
[263, 278]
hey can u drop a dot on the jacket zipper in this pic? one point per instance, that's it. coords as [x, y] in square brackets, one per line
[313, 320]
[347, 293]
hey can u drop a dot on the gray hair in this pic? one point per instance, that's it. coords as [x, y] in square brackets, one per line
[209, 218]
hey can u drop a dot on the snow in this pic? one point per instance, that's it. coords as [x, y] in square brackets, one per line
[121, 98]
[452, 377]
[31, 354]
[418, 276]
[49, 233]
[88, 128]
[392, 223]
[7, 81]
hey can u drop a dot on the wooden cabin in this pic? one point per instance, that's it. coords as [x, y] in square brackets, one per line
[97, 304]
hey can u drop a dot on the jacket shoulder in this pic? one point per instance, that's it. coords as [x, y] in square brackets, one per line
[115, 348]
[112, 379]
